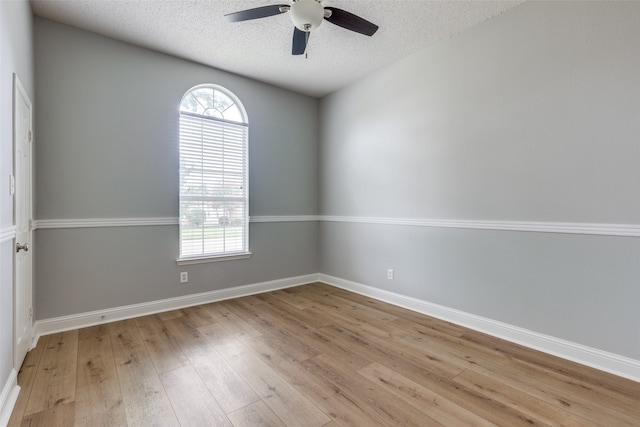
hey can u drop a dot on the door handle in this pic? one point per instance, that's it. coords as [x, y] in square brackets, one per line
[20, 247]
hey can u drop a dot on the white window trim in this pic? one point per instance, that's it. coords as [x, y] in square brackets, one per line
[206, 258]
[213, 258]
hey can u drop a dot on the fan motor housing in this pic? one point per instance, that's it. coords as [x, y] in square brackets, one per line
[306, 15]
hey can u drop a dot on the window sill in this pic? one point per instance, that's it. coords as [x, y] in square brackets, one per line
[213, 258]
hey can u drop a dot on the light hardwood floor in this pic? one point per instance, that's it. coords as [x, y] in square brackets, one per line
[308, 356]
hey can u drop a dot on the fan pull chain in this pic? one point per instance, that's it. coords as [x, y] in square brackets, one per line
[306, 45]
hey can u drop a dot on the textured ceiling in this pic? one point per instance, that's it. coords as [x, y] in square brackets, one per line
[261, 49]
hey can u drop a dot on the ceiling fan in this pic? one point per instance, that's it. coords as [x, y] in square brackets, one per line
[306, 16]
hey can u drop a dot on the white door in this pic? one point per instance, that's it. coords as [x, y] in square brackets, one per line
[22, 140]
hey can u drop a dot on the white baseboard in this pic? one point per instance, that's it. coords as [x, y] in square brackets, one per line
[8, 397]
[598, 359]
[82, 320]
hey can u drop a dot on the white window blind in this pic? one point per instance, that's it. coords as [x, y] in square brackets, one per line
[213, 175]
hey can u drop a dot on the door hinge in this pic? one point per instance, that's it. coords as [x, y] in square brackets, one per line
[30, 313]
[30, 136]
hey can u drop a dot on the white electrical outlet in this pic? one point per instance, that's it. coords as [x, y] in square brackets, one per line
[184, 277]
[390, 273]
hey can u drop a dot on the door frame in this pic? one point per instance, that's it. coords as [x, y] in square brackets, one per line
[27, 282]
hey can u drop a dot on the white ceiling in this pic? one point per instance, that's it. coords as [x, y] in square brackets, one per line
[197, 30]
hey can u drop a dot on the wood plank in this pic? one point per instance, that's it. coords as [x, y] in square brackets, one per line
[291, 406]
[517, 363]
[394, 353]
[391, 409]
[251, 300]
[317, 288]
[457, 348]
[321, 343]
[302, 318]
[143, 396]
[285, 328]
[216, 334]
[430, 377]
[432, 404]
[403, 314]
[587, 392]
[449, 352]
[292, 298]
[191, 400]
[342, 307]
[437, 330]
[234, 324]
[528, 380]
[337, 402]
[93, 331]
[523, 402]
[229, 389]
[198, 316]
[587, 377]
[223, 382]
[168, 315]
[98, 400]
[257, 414]
[267, 322]
[162, 348]
[57, 416]
[385, 330]
[55, 382]
[186, 335]
[125, 338]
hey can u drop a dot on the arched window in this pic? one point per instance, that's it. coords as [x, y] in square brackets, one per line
[214, 198]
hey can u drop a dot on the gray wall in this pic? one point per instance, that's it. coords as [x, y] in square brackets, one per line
[533, 115]
[108, 148]
[16, 56]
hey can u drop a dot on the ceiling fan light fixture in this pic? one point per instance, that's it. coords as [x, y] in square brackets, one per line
[306, 15]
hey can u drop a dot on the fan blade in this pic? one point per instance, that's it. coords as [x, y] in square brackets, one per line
[352, 22]
[300, 39]
[258, 12]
